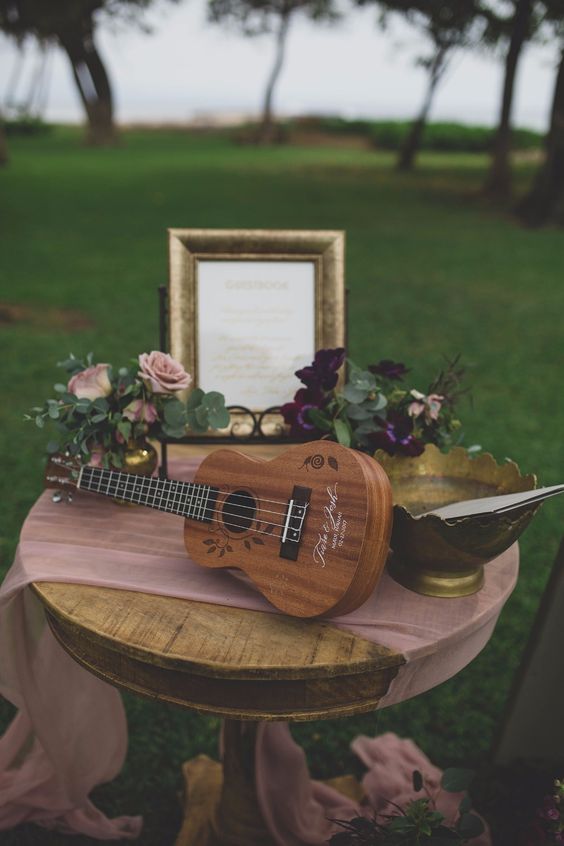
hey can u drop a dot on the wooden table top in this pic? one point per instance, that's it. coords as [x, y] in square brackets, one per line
[224, 660]
[216, 659]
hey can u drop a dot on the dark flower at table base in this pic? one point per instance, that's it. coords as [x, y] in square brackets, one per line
[396, 436]
[322, 372]
[393, 370]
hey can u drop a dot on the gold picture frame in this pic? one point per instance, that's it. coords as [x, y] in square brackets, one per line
[315, 255]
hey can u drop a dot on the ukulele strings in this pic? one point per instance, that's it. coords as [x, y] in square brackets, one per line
[235, 515]
[260, 532]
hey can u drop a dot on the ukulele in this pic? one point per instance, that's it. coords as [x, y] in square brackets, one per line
[310, 527]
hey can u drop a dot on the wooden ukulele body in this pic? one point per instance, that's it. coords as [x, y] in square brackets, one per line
[345, 533]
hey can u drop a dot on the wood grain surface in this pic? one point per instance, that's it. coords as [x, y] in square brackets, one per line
[344, 539]
[226, 661]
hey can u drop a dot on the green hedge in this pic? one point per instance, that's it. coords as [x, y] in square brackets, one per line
[389, 134]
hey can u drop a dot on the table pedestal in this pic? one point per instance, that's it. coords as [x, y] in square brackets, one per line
[221, 806]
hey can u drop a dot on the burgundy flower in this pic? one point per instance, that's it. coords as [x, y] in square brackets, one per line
[295, 413]
[389, 369]
[396, 436]
[322, 372]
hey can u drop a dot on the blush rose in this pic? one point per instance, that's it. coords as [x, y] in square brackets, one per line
[139, 411]
[162, 373]
[91, 383]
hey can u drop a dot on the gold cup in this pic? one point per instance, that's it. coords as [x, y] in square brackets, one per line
[439, 557]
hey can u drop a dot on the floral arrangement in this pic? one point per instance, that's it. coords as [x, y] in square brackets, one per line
[374, 410]
[549, 826]
[419, 822]
[100, 410]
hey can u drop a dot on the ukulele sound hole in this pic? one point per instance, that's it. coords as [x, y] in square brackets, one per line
[238, 511]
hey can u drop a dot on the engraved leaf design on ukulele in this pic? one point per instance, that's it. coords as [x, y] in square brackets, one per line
[317, 461]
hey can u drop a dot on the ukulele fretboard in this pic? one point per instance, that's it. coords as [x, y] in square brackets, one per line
[188, 499]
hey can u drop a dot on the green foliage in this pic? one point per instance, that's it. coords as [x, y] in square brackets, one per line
[107, 423]
[439, 136]
[417, 824]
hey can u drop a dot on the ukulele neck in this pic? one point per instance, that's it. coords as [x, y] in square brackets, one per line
[187, 499]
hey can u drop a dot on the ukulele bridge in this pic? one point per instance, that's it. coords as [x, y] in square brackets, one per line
[293, 524]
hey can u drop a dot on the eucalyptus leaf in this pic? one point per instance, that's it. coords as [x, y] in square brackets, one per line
[54, 412]
[174, 412]
[354, 394]
[195, 399]
[60, 388]
[358, 412]
[363, 380]
[101, 404]
[194, 424]
[202, 416]
[213, 400]
[39, 421]
[219, 418]
[53, 447]
[342, 432]
[470, 825]
[377, 404]
[456, 780]
[465, 805]
[174, 431]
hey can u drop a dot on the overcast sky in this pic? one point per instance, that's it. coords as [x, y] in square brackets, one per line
[188, 68]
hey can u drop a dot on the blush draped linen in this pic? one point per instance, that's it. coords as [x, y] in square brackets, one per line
[70, 734]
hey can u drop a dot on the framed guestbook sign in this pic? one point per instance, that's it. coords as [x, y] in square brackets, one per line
[248, 307]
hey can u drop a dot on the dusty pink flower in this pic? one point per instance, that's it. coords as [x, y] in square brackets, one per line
[96, 457]
[434, 403]
[430, 405]
[162, 373]
[140, 411]
[91, 383]
[418, 406]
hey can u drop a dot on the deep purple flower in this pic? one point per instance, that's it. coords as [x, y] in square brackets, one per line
[396, 436]
[322, 372]
[295, 413]
[549, 809]
[389, 369]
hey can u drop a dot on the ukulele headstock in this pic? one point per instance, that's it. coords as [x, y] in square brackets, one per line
[62, 471]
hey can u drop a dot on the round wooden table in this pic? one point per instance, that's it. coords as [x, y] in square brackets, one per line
[245, 666]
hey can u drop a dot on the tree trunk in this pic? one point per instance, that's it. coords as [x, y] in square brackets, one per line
[93, 86]
[412, 142]
[498, 182]
[545, 201]
[266, 131]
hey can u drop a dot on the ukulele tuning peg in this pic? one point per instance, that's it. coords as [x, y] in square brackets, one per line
[57, 496]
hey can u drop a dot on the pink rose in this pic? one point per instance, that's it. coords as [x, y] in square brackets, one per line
[140, 411]
[91, 383]
[163, 374]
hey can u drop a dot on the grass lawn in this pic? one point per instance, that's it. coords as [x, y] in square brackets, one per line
[432, 270]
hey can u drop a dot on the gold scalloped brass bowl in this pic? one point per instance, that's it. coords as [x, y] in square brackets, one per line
[439, 558]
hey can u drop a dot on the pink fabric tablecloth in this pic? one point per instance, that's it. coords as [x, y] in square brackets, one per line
[70, 732]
